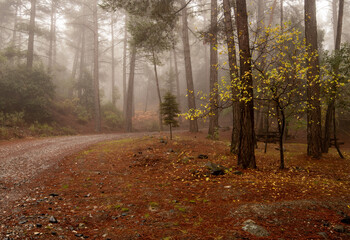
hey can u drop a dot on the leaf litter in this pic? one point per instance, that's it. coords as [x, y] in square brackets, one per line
[148, 188]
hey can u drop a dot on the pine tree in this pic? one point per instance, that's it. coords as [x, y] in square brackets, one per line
[169, 110]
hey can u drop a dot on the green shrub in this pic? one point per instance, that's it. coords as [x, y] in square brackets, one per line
[42, 129]
[4, 133]
[15, 119]
[112, 117]
[27, 91]
[82, 114]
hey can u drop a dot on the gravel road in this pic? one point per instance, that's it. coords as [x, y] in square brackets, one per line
[23, 160]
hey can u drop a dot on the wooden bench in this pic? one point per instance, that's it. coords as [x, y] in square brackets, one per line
[332, 142]
[268, 137]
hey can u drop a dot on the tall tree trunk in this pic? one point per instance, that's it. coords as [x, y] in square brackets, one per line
[230, 40]
[14, 33]
[261, 15]
[130, 93]
[96, 72]
[335, 19]
[281, 123]
[331, 106]
[177, 79]
[82, 63]
[314, 133]
[246, 155]
[213, 81]
[125, 42]
[114, 100]
[158, 90]
[282, 14]
[147, 93]
[52, 34]
[74, 68]
[188, 68]
[30, 51]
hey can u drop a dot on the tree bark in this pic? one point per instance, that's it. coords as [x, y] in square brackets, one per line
[158, 91]
[335, 19]
[14, 33]
[82, 63]
[314, 133]
[177, 79]
[231, 47]
[188, 68]
[52, 34]
[213, 81]
[130, 93]
[30, 51]
[331, 106]
[96, 72]
[246, 154]
[124, 66]
[114, 100]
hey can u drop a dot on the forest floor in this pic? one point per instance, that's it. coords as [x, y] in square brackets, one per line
[154, 188]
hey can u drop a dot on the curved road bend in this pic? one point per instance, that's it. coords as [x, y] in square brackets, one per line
[23, 160]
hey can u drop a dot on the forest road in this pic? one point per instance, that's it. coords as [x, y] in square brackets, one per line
[22, 161]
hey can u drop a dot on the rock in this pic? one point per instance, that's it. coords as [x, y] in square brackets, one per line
[81, 225]
[54, 233]
[170, 150]
[339, 228]
[53, 195]
[53, 220]
[22, 221]
[38, 225]
[346, 220]
[215, 169]
[251, 227]
[238, 172]
[203, 156]
[78, 235]
[324, 235]
[163, 141]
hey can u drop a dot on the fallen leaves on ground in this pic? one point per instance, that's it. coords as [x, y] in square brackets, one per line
[153, 188]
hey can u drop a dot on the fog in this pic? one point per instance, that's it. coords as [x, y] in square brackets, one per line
[85, 48]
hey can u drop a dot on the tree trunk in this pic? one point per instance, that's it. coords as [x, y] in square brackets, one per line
[230, 40]
[213, 81]
[281, 123]
[14, 33]
[331, 106]
[335, 19]
[82, 63]
[130, 93]
[96, 72]
[147, 93]
[171, 132]
[158, 91]
[30, 52]
[177, 79]
[124, 66]
[314, 133]
[52, 34]
[188, 68]
[246, 155]
[74, 68]
[114, 100]
[282, 17]
[261, 15]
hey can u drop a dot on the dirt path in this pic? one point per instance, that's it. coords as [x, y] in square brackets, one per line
[21, 161]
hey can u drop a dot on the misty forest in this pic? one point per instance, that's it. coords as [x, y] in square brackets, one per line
[177, 119]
